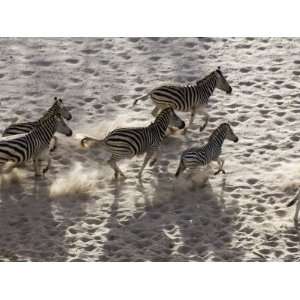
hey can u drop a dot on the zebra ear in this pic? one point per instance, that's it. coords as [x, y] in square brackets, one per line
[55, 98]
[227, 121]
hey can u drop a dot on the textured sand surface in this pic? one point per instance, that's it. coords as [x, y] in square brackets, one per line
[79, 213]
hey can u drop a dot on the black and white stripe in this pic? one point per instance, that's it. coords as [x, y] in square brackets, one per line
[193, 98]
[57, 108]
[201, 156]
[35, 145]
[128, 142]
[296, 199]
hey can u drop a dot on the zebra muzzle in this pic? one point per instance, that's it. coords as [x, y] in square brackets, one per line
[82, 143]
[229, 91]
[182, 125]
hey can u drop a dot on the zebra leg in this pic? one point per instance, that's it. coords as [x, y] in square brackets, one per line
[36, 163]
[53, 142]
[297, 213]
[193, 113]
[155, 159]
[115, 167]
[48, 165]
[155, 111]
[220, 162]
[147, 158]
[206, 117]
[10, 167]
[180, 169]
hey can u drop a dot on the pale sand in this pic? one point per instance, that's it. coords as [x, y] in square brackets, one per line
[79, 213]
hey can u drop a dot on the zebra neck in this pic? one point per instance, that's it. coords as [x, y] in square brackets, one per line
[160, 125]
[50, 112]
[46, 130]
[207, 86]
[217, 138]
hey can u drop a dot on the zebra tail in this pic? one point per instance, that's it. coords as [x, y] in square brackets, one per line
[140, 98]
[179, 169]
[89, 141]
[294, 200]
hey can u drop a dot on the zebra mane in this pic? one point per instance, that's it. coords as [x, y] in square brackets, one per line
[48, 115]
[52, 110]
[217, 131]
[205, 78]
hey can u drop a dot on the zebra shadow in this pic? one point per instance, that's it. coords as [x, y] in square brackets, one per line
[29, 228]
[174, 222]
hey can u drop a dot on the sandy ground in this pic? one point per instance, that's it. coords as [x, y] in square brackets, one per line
[78, 213]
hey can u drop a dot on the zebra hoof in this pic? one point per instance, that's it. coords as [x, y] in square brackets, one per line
[152, 162]
[116, 176]
[53, 149]
[45, 171]
[221, 170]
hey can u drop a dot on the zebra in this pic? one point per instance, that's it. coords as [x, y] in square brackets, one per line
[21, 128]
[128, 142]
[193, 98]
[34, 144]
[291, 203]
[201, 156]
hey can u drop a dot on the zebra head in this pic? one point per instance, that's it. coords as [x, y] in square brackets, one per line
[174, 120]
[61, 126]
[222, 83]
[229, 134]
[61, 109]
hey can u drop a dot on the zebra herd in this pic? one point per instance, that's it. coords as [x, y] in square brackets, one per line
[127, 142]
[22, 142]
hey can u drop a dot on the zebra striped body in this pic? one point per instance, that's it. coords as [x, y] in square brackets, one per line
[34, 144]
[128, 142]
[191, 98]
[185, 98]
[56, 109]
[201, 156]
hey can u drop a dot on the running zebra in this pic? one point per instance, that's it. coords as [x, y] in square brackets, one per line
[127, 142]
[35, 144]
[201, 156]
[193, 98]
[57, 108]
[295, 199]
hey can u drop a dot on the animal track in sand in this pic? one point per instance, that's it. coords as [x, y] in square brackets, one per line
[41, 63]
[90, 51]
[274, 69]
[289, 86]
[72, 61]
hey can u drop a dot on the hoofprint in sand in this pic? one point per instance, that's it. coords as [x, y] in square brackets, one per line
[79, 213]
